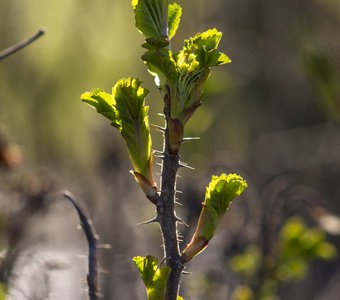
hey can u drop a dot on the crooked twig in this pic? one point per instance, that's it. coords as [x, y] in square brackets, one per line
[24, 43]
[91, 236]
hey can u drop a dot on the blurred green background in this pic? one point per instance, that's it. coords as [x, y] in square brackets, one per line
[272, 115]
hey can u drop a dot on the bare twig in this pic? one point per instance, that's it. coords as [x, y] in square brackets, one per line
[24, 43]
[91, 236]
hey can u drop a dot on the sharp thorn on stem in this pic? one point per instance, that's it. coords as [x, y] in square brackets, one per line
[188, 139]
[186, 273]
[180, 221]
[153, 220]
[160, 128]
[158, 151]
[184, 165]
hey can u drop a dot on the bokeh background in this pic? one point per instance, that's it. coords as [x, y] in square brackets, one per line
[272, 116]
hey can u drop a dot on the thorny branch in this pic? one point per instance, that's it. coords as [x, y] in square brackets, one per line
[166, 211]
[91, 236]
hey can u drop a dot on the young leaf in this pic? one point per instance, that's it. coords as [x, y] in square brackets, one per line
[104, 104]
[154, 278]
[126, 109]
[162, 65]
[174, 18]
[221, 191]
[151, 17]
[194, 62]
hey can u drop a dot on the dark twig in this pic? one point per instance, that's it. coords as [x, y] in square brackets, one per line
[11, 50]
[166, 211]
[91, 236]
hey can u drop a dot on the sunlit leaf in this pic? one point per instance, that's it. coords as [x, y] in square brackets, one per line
[154, 278]
[151, 17]
[221, 191]
[194, 63]
[161, 64]
[174, 18]
[104, 104]
[127, 111]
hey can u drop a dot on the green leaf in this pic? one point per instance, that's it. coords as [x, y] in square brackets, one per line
[151, 17]
[154, 278]
[130, 103]
[162, 65]
[174, 18]
[221, 191]
[127, 111]
[194, 63]
[219, 194]
[103, 103]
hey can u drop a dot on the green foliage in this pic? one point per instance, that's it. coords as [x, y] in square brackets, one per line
[126, 110]
[296, 245]
[219, 194]
[150, 16]
[248, 263]
[174, 18]
[180, 77]
[221, 191]
[193, 62]
[154, 278]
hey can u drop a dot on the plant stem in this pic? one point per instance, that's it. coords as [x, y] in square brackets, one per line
[11, 50]
[166, 212]
[91, 237]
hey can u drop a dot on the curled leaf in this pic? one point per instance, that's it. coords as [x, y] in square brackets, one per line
[126, 110]
[221, 191]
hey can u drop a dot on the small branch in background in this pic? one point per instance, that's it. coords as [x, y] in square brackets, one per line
[26, 42]
[91, 236]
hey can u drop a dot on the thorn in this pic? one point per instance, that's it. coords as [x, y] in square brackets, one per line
[184, 165]
[153, 220]
[159, 152]
[159, 174]
[160, 128]
[162, 261]
[178, 176]
[180, 221]
[186, 273]
[159, 156]
[161, 115]
[178, 203]
[178, 192]
[159, 164]
[188, 139]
